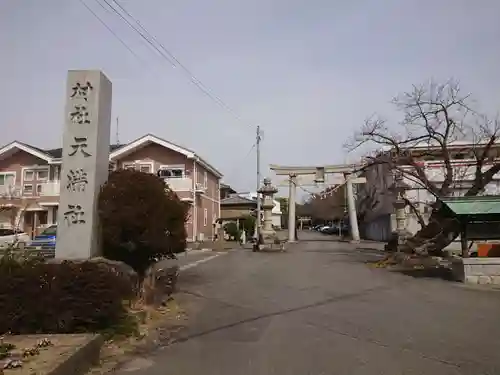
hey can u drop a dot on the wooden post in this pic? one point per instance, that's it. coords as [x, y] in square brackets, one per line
[463, 239]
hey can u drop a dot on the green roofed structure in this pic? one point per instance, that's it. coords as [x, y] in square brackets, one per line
[479, 217]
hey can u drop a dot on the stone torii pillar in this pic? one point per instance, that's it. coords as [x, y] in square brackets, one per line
[291, 207]
[351, 203]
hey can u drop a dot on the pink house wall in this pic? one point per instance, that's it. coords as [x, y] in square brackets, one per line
[209, 201]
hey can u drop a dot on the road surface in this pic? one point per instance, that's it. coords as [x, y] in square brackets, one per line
[319, 309]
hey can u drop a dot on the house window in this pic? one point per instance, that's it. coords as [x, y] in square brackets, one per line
[171, 172]
[205, 217]
[39, 189]
[42, 174]
[205, 180]
[145, 168]
[28, 189]
[29, 175]
[7, 179]
[128, 166]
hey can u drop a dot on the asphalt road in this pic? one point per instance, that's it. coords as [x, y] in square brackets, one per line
[319, 309]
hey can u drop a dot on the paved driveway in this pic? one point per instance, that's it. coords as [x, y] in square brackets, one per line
[318, 309]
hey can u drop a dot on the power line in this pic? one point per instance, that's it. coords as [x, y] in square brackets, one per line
[257, 142]
[243, 159]
[169, 56]
[110, 29]
[130, 25]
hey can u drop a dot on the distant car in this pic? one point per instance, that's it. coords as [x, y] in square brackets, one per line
[326, 229]
[9, 237]
[45, 240]
[330, 230]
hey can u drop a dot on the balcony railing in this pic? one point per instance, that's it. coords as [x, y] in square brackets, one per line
[179, 183]
[50, 189]
[10, 191]
[53, 188]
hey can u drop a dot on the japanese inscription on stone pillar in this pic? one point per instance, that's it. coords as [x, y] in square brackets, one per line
[85, 161]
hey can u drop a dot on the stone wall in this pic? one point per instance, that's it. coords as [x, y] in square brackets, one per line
[477, 270]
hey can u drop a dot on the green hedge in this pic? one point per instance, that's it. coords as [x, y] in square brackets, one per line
[67, 297]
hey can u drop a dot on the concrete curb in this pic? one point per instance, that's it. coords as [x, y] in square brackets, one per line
[197, 251]
[81, 360]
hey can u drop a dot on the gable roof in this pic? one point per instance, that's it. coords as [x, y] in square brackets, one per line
[116, 150]
[39, 153]
[224, 186]
[237, 200]
[474, 205]
[56, 153]
[149, 138]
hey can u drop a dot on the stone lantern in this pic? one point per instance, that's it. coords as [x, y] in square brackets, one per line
[267, 191]
[399, 188]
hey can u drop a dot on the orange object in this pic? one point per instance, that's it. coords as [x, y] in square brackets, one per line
[488, 250]
[483, 249]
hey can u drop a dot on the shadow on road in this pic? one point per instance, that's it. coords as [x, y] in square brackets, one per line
[428, 273]
[191, 335]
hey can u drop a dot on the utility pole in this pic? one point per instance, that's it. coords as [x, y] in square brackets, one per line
[117, 131]
[291, 207]
[257, 223]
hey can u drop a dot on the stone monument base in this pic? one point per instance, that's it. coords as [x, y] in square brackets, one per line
[476, 270]
[271, 242]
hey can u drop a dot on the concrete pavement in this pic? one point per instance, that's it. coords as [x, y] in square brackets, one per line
[318, 309]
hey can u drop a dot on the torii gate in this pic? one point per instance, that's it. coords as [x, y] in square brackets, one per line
[350, 178]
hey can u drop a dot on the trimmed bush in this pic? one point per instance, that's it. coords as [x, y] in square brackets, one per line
[248, 225]
[232, 230]
[142, 220]
[68, 297]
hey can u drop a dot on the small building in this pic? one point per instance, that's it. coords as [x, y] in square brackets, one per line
[276, 211]
[235, 208]
[226, 191]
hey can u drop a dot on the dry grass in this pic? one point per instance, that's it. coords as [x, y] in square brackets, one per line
[119, 350]
[62, 346]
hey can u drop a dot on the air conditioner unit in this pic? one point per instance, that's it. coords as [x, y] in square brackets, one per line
[200, 188]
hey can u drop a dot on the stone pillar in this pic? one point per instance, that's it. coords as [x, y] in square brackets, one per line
[267, 192]
[85, 158]
[50, 215]
[291, 207]
[36, 223]
[399, 189]
[351, 206]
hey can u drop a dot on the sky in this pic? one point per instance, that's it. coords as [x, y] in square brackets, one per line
[308, 72]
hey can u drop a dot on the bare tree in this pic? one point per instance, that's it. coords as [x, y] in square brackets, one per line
[329, 204]
[438, 122]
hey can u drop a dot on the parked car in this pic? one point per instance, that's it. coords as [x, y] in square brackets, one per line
[332, 229]
[326, 229]
[45, 240]
[10, 237]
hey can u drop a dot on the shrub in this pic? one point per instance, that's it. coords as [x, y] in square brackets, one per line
[38, 297]
[248, 225]
[232, 230]
[142, 220]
